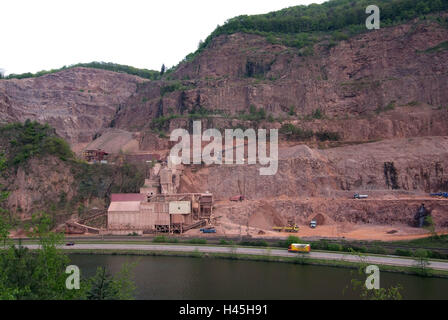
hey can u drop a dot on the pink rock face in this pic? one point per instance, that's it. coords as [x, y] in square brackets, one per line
[401, 167]
[388, 67]
[397, 174]
[383, 85]
[355, 78]
[77, 102]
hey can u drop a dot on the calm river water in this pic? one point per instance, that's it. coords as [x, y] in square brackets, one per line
[196, 278]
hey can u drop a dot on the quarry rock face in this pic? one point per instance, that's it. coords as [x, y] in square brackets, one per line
[77, 102]
[416, 165]
[355, 83]
[396, 174]
[42, 181]
[384, 92]
[394, 66]
[264, 214]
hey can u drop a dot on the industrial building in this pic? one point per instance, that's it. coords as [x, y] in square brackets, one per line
[158, 208]
[93, 156]
[160, 213]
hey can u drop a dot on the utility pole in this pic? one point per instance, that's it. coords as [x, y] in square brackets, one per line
[240, 222]
[247, 222]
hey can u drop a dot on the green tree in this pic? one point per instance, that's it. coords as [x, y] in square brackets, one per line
[421, 257]
[4, 230]
[391, 293]
[430, 226]
[104, 286]
[4, 225]
[37, 275]
[290, 240]
[40, 274]
[358, 283]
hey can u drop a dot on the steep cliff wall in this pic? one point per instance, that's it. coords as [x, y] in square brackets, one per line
[77, 102]
[361, 76]
[417, 165]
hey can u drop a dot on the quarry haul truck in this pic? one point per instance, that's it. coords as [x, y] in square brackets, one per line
[290, 227]
[294, 229]
[440, 194]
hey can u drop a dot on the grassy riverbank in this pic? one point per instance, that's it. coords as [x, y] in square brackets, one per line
[435, 247]
[300, 259]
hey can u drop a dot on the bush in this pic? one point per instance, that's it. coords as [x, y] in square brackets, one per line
[296, 133]
[59, 147]
[403, 252]
[159, 239]
[162, 122]
[255, 114]
[328, 136]
[317, 114]
[338, 36]
[334, 247]
[377, 250]
[292, 111]
[175, 86]
[421, 253]
[257, 243]
[359, 249]
[288, 241]
[320, 245]
[388, 107]
[197, 241]
[163, 239]
[437, 255]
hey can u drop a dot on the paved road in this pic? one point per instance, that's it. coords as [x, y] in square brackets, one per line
[386, 260]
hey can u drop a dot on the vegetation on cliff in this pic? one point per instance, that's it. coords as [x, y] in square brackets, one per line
[4, 227]
[99, 181]
[22, 142]
[330, 15]
[143, 73]
[297, 26]
[32, 139]
[300, 26]
[293, 132]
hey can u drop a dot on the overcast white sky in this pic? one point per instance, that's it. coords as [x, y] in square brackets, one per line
[44, 34]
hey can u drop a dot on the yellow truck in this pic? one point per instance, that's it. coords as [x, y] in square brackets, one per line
[294, 228]
[299, 247]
